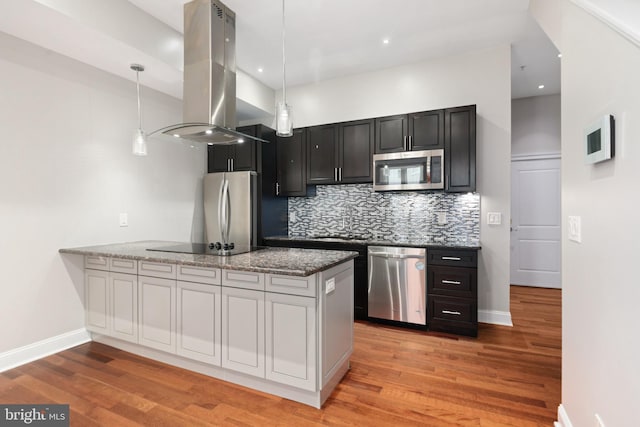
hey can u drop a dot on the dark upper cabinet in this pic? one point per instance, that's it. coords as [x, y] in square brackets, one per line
[355, 151]
[410, 132]
[236, 157]
[460, 148]
[291, 164]
[322, 157]
[391, 134]
[426, 130]
[340, 153]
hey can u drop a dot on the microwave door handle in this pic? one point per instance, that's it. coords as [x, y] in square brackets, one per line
[429, 169]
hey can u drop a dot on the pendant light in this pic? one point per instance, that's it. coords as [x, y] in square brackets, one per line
[284, 120]
[139, 138]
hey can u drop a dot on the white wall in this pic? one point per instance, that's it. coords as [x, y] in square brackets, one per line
[66, 172]
[481, 78]
[600, 345]
[535, 125]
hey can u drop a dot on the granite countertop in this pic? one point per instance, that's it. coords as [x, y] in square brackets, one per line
[416, 243]
[286, 261]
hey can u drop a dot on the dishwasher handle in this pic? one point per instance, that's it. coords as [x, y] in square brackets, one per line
[394, 256]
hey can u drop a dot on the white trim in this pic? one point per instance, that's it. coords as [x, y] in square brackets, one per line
[541, 156]
[495, 317]
[613, 23]
[563, 418]
[28, 353]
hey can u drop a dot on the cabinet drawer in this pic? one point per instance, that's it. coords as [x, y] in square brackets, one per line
[210, 276]
[96, 262]
[157, 269]
[452, 257]
[453, 281]
[120, 265]
[303, 286]
[452, 309]
[243, 279]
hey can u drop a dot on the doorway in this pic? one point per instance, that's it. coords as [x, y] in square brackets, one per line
[535, 222]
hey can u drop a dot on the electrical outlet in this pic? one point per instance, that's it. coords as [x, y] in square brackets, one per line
[575, 229]
[124, 220]
[599, 422]
[494, 218]
[442, 218]
[330, 286]
[292, 217]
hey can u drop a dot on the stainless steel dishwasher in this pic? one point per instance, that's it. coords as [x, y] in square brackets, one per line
[397, 284]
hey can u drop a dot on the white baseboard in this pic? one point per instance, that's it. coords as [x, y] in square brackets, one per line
[563, 418]
[495, 317]
[19, 356]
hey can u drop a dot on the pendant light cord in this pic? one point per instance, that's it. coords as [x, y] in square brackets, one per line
[138, 91]
[284, 88]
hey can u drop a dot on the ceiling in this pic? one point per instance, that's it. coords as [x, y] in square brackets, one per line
[325, 38]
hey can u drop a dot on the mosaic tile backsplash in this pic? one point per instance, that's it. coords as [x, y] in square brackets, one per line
[356, 210]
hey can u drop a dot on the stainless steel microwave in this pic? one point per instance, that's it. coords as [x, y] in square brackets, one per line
[409, 170]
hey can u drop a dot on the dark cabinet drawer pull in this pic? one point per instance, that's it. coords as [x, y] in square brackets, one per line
[457, 313]
[451, 258]
[451, 282]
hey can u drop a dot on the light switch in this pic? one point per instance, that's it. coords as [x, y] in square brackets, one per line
[575, 229]
[124, 220]
[494, 218]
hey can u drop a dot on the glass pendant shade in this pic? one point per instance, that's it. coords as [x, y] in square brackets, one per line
[139, 143]
[284, 120]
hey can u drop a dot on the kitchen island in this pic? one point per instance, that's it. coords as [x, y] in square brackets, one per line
[277, 320]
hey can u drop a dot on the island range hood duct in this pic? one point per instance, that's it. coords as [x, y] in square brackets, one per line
[209, 88]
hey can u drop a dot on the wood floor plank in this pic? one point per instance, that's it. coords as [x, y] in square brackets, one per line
[508, 376]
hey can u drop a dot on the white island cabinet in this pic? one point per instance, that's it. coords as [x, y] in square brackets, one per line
[286, 334]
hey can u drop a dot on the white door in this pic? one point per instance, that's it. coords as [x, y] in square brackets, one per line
[291, 340]
[199, 317]
[243, 331]
[535, 223]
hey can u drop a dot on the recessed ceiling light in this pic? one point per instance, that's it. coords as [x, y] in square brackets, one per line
[559, 55]
[385, 41]
[176, 135]
[208, 131]
[541, 87]
[260, 69]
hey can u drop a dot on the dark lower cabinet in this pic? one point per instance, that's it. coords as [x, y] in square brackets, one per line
[460, 149]
[360, 282]
[452, 291]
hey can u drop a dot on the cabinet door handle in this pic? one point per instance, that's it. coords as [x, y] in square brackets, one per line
[410, 142]
[451, 282]
[406, 144]
[451, 258]
[277, 189]
[339, 174]
[232, 165]
[335, 174]
[455, 313]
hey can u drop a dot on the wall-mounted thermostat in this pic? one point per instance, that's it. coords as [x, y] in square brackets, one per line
[599, 140]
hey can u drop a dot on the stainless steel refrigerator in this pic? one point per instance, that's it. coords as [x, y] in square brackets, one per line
[231, 208]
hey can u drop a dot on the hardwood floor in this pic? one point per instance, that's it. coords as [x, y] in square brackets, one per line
[505, 377]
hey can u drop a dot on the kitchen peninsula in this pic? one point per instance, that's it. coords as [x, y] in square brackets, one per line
[276, 320]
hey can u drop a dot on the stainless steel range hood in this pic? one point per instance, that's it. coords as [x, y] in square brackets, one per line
[209, 88]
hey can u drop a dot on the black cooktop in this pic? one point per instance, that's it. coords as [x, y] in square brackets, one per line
[205, 249]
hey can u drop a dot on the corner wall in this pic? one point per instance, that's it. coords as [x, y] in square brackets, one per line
[600, 346]
[480, 77]
[66, 172]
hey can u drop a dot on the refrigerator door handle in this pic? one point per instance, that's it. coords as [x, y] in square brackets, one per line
[224, 211]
